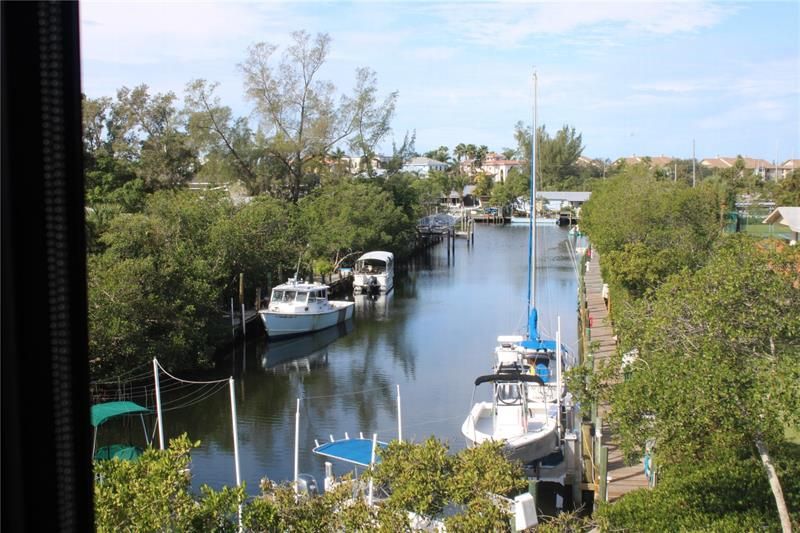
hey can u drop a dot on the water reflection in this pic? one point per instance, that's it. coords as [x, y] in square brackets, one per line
[304, 352]
[373, 306]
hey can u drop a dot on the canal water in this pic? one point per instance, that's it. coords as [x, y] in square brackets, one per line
[431, 336]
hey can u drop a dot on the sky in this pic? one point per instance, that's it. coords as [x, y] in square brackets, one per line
[633, 78]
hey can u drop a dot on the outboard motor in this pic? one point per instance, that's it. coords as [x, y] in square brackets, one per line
[307, 485]
[373, 286]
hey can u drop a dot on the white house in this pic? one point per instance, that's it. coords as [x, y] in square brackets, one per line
[498, 167]
[423, 165]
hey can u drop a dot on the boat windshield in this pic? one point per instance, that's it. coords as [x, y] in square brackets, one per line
[288, 296]
[301, 298]
[317, 296]
[277, 296]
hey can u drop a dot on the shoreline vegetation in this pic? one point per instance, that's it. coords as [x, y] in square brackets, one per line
[707, 373]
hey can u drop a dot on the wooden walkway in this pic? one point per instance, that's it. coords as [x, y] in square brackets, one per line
[621, 479]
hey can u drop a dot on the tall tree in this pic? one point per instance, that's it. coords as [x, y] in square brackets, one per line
[787, 193]
[154, 136]
[557, 156]
[440, 154]
[230, 149]
[299, 111]
[480, 155]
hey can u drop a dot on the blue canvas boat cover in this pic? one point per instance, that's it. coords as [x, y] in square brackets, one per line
[355, 451]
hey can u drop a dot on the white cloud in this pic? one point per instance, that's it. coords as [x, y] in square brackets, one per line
[155, 32]
[512, 24]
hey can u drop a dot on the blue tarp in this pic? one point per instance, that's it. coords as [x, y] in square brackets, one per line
[356, 451]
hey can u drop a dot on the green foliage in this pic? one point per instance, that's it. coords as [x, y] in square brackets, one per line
[483, 469]
[557, 156]
[647, 229]
[440, 154]
[483, 184]
[718, 364]
[154, 290]
[787, 192]
[423, 478]
[260, 239]
[279, 509]
[715, 496]
[481, 514]
[417, 475]
[353, 216]
[153, 494]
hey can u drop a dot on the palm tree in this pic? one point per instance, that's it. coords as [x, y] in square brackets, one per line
[460, 151]
[480, 154]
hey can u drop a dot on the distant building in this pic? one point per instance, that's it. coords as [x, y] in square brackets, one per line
[761, 167]
[358, 165]
[658, 161]
[423, 165]
[787, 167]
[498, 167]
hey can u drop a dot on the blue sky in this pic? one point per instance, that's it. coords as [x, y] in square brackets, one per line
[639, 78]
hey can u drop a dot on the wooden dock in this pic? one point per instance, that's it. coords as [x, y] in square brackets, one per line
[621, 478]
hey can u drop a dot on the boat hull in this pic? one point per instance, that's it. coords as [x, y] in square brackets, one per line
[279, 324]
[539, 441]
[362, 283]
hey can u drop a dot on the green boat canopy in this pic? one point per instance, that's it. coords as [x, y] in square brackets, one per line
[103, 411]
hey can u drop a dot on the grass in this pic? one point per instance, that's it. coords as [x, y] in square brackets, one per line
[764, 230]
[793, 434]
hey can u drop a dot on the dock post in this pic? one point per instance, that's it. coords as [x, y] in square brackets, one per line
[158, 406]
[603, 489]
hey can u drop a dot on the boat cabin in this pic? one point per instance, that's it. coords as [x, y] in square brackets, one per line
[374, 263]
[299, 295]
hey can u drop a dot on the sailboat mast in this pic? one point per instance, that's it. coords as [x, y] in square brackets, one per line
[532, 217]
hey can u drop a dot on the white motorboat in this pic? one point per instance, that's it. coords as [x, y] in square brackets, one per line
[528, 429]
[374, 273]
[297, 307]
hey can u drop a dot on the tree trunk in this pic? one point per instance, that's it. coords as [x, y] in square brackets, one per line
[775, 485]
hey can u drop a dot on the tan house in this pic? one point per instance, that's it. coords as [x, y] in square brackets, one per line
[657, 161]
[498, 167]
[762, 167]
[787, 167]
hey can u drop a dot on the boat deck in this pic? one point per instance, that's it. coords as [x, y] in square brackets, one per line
[622, 478]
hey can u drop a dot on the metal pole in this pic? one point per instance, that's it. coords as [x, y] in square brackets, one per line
[399, 417]
[158, 405]
[693, 164]
[235, 425]
[558, 378]
[297, 448]
[371, 464]
[235, 433]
